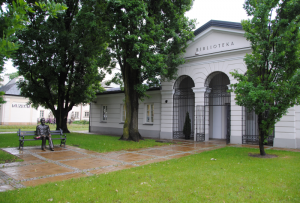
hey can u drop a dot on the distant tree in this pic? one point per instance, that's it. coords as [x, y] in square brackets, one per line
[59, 58]
[13, 75]
[148, 39]
[271, 84]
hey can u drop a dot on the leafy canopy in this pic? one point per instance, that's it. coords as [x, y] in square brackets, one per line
[149, 36]
[60, 57]
[14, 17]
[271, 84]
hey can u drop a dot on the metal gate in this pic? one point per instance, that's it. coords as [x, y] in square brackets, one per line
[216, 94]
[200, 123]
[250, 132]
[183, 102]
[228, 123]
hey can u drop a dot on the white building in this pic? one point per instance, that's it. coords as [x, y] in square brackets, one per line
[16, 111]
[201, 89]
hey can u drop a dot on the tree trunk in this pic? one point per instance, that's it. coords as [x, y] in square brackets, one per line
[130, 128]
[261, 136]
[61, 119]
[62, 124]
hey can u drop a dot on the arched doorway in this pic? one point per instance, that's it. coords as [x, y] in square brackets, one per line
[183, 101]
[217, 106]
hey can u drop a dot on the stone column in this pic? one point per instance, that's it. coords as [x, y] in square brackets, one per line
[236, 122]
[199, 100]
[166, 129]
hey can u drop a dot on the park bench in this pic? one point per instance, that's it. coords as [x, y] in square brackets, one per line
[55, 135]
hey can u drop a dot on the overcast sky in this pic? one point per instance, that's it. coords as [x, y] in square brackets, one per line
[203, 11]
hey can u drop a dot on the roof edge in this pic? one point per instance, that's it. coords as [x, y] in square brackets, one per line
[218, 23]
[120, 91]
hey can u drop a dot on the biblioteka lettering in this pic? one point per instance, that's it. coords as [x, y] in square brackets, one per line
[215, 46]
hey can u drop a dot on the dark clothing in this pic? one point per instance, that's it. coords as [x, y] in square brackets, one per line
[44, 132]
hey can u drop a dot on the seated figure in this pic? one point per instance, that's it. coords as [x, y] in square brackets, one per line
[43, 131]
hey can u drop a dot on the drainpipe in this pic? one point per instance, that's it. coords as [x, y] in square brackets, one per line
[81, 111]
[90, 117]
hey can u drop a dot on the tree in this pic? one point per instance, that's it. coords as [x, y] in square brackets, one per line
[148, 39]
[271, 84]
[13, 17]
[13, 75]
[187, 129]
[59, 58]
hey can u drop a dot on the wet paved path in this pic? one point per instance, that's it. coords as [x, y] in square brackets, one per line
[40, 167]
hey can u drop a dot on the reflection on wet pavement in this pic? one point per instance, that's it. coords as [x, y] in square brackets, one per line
[40, 167]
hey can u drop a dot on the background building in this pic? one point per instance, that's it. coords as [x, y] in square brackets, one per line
[16, 111]
[218, 48]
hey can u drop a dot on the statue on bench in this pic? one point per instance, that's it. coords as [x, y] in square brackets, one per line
[43, 132]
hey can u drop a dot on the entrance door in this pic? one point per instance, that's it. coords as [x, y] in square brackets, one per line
[218, 121]
[217, 99]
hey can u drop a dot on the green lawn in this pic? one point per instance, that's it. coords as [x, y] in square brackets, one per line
[232, 177]
[98, 143]
[15, 128]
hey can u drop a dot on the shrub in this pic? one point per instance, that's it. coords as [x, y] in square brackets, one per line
[187, 126]
[50, 120]
[83, 122]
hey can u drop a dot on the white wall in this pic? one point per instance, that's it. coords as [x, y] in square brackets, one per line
[16, 111]
[114, 124]
[297, 127]
[80, 108]
[285, 129]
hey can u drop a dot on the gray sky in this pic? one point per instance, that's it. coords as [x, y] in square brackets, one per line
[203, 11]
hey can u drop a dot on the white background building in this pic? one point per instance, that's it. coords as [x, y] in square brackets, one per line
[16, 111]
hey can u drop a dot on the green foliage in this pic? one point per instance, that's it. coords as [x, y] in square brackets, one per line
[83, 122]
[150, 37]
[14, 17]
[271, 84]
[60, 58]
[187, 129]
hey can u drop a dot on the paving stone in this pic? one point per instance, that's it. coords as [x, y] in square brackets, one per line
[4, 188]
[200, 145]
[158, 152]
[62, 155]
[13, 151]
[111, 169]
[129, 157]
[11, 164]
[179, 155]
[33, 171]
[1, 181]
[53, 179]
[28, 158]
[89, 152]
[180, 148]
[89, 163]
